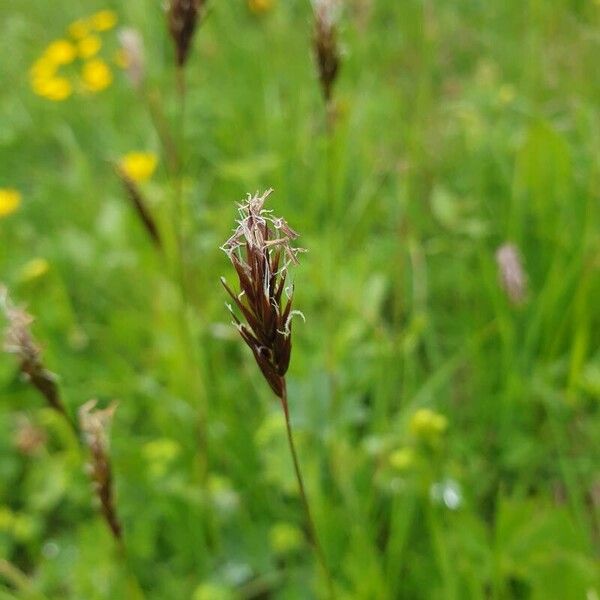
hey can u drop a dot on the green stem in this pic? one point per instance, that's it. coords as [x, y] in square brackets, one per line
[313, 537]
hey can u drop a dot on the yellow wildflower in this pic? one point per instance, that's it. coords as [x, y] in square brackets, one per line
[402, 459]
[427, 424]
[52, 88]
[103, 20]
[260, 6]
[10, 200]
[138, 166]
[7, 518]
[60, 52]
[79, 29]
[42, 68]
[34, 269]
[506, 94]
[89, 46]
[212, 591]
[285, 538]
[96, 75]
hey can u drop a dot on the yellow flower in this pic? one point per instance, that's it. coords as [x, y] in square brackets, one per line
[103, 20]
[506, 94]
[260, 6]
[96, 75]
[79, 29]
[34, 269]
[89, 46]
[138, 166]
[42, 68]
[10, 200]
[212, 591]
[7, 518]
[52, 88]
[427, 424]
[285, 538]
[60, 52]
[402, 459]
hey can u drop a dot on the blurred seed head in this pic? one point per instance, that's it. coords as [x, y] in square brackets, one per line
[325, 44]
[29, 439]
[132, 48]
[512, 274]
[94, 424]
[139, 203]
[260, 250]
[183, 18]
[18, 340]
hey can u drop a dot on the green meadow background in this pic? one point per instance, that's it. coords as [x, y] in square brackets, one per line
[461, 125]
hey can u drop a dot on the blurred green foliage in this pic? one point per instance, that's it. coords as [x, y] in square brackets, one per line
[460, 125]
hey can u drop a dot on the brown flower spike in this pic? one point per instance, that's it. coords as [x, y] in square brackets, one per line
[140, 205]
[94, 424]
[325, 44]
[18, 340]
[260, 250]
[183, 17]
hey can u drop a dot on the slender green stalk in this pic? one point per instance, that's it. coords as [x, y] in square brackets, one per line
[313, 537]
[19, 581]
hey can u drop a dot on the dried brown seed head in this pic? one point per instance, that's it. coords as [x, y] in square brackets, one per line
[140, 205]
[325, 44]
[132, 47]
[183, 18]
[95, 424]
[18, 340]
[260, 250]
[29, 439]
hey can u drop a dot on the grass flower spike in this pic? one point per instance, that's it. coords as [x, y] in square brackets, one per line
[183, 18]
[260, 250]
[133, 168]
[132, 55]
[325, 44]
[512, 274]
[94, 424]
[19, 341]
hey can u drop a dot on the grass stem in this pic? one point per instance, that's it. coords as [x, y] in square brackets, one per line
[313, 537]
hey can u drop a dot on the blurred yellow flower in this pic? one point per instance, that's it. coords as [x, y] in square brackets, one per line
[89, 46]
[10, 200]
[138, 166]
[402, 459]
[7, 518]
[212, 591]
[96, 75]
[260, 6]
[52, 88]
[60, 52]
[103, 20]
[285, 538]
[507, 93]
[23, 527]
[426, 423]
[42, 68]
[35, 268]
[79, 29]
